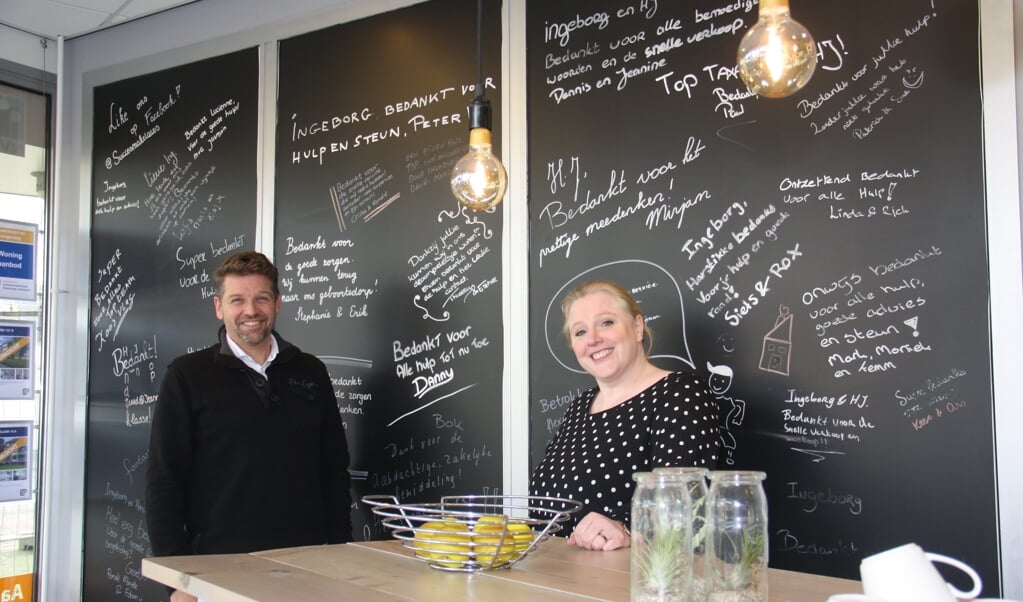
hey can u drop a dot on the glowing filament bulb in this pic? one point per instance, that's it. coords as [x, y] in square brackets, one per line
[777, 56]
[774, 58]
[479, 180]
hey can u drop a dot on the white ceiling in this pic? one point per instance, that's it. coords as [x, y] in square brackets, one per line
[70, 18]
[22, 165]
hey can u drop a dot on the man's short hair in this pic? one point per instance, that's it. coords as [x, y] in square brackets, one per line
[244, 264]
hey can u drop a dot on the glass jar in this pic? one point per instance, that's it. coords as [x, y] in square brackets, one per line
[696, 482]
[662, 534]
[737, 537]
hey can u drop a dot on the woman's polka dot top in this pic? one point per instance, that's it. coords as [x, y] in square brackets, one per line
[591, 458]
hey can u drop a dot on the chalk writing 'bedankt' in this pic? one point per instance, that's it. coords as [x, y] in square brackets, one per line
[417, 347]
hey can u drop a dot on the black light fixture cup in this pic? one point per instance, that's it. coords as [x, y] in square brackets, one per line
[480, 113]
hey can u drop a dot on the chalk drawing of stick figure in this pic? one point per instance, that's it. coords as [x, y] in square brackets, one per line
[719, 381]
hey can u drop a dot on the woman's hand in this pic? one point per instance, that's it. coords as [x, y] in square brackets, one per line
[180, 596]
[598, 532]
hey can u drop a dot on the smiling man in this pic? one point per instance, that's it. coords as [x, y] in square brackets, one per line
[247, 451]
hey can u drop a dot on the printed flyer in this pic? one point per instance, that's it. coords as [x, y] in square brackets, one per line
[17, 360]
[15, 460]
[17, 260]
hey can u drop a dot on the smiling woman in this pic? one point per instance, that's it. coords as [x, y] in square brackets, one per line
[638, 417]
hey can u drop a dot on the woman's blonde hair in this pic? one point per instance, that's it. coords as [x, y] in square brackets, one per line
[628, 302]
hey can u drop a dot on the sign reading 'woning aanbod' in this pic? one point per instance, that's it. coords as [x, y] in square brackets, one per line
[17, 260]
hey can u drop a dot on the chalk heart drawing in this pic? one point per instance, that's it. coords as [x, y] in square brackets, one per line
[659, 297]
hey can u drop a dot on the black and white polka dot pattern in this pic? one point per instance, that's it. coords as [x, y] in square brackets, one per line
[591, 459]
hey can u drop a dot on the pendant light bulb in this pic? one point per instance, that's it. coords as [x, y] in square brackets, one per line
[478, 179]
[777, 56]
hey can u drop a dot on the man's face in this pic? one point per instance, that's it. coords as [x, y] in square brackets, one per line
[248, 308]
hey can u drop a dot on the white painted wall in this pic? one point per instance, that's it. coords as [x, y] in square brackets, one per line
[1004, 72]
[214, 27]
[28, 50]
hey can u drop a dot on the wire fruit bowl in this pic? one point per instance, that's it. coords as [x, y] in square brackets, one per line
[473, 532]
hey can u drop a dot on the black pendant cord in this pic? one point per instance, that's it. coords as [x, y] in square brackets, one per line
[479, 48]
[479, 109]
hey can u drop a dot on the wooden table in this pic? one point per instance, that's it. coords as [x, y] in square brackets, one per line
[385, 570]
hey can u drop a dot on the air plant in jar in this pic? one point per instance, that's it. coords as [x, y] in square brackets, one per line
[737, 537]
[662, 549]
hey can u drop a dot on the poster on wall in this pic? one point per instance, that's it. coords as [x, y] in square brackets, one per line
[17, 260]
[17, 353]
[15, 460]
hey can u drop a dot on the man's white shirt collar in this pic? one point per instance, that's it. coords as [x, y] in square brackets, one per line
[247, 359]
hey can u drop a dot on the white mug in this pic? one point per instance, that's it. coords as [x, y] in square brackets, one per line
[854, 598]
[906, 574]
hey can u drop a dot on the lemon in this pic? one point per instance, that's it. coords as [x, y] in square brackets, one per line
[493, 519]
[492, 546]
[519, 529]
[449, 544]
[500, 539]
[522, 533]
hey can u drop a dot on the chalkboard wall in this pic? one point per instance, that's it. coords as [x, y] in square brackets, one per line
[822, 256]
[827, 251]
[173, 193]
[385, 277]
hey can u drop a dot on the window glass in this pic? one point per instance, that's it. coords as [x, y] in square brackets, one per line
[23, 123]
